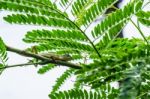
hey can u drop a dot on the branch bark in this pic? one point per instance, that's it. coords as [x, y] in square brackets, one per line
[47, 60]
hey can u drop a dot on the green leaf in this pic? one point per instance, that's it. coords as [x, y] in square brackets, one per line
[97, 9]
[79, 9]
[46, 35]
[61, 44]
[46, 68]
[64, 3]
[1, 68]
[39, 20]
[62, 79]
[144, 17]
[74, 94]
[29, 6]
[3, 55]
[109, 28]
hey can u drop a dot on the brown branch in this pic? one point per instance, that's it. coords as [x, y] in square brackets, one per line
[47, 60]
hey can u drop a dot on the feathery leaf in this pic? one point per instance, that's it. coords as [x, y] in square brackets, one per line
[40, 20]
[62, 79]
[79, 9]
[144, 17]
[46, 68]
[28, 7]
[59, 44]
[46, 35]
[97, 9]
[109, 28]
[3, 55]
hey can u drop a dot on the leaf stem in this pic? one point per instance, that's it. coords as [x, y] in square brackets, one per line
[140, 31]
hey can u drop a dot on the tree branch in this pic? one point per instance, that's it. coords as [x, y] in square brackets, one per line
[46, 60]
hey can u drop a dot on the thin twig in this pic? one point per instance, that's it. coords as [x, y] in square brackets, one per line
[24, 64]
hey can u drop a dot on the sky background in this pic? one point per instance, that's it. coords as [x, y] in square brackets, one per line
[24, 82]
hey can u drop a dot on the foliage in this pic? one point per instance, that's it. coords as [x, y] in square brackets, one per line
[3, 55]
[103, 57]
[144, 17]
[115, 61]
[46, 68]
[62, 79]
[84, 94]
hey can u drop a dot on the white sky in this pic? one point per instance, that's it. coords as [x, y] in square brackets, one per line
[24, 82]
